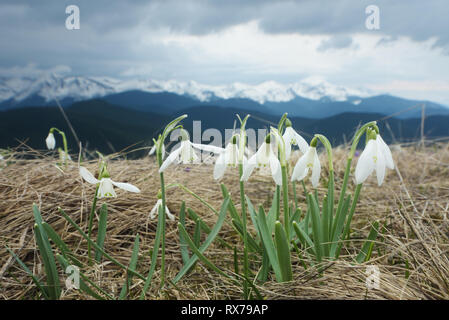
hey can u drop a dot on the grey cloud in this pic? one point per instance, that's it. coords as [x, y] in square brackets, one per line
[337, 42]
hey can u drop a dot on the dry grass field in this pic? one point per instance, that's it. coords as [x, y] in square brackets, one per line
[411, 254]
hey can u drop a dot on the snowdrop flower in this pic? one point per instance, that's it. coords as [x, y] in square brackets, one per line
[376, 156]
[266, 155]
[63, 157]
[309, 160]
[106, 187]
[291, 137]
[155, 211]
[153, 150]
[185, 153]
[50, 141]
[228, 157]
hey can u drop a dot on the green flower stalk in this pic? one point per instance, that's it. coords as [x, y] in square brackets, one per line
[51, 143]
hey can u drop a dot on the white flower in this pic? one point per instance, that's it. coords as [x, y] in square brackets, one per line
[63, 156]
[155, 211]
[185, 152]
[264, 156]
[229, 157]
[106, 187]
[309, 160]
[291, 137]
[376, 156]
[50, 141]
[153, 150]
[1, 157]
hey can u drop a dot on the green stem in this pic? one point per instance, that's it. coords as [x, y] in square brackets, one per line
[91, 222]
[245, 234]
[285, 201]
[161, 175]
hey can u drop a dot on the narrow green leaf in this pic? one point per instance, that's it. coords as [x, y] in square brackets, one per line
[61, 244]
[197, 234]
[304, 238]
[182, 243]
[198, 252]
[316, 227]
[132, 265]
[36, 281]
[251, 242]
[48, 259]
[283, 252]
[232, 210]
[365, 253]
[102, 227]
[339, 222]
[210, 238]
[205, 227]
[269, 244]
[108, 256]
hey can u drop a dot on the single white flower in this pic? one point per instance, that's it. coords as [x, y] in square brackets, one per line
[1, 157]
[291, 137]
[376, 156]
[153, 150]
[155, 211]
[229, 157]
[266, 155]
[106, 187]
[50, 141]
[186, 153]
[63, 156]
[309, 160]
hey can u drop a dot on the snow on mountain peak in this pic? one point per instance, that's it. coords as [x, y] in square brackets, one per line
[52, 86]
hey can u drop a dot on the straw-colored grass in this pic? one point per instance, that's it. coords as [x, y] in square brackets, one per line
[412, 255]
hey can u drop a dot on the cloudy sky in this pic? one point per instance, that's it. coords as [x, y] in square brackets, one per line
[225, 41]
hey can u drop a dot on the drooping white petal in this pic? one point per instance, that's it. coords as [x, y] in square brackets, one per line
[301, 169]
[380, 164]
[126, 186]
[169, 215]
[220, 167]
[249, 167]
[365, 165]
[155, 209]
[263, 155]
[106, 189]
[276, 171]
[188, 155]
[386, 151]
[316, 169]
[170, 159]
[50, 141]
[86, 175]
[291, 137]
[208, 148]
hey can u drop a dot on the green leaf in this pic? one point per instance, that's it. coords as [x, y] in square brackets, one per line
[304, 238]
[108, 256]
[205, 227]
[365, 253]
[232, 209]
[269, 244]
[36, 281]
[251, 242]
[283, 252]
[60, 244]
[132, 265]
[197, 253]
[316, 227]
[339, 222]
[210, 238]
[102, 226]
[48, 259]
[182, 242]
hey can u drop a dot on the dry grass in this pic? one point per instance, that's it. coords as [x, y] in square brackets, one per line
[412, 256]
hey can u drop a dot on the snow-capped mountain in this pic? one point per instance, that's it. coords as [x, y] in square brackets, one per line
[50, 86]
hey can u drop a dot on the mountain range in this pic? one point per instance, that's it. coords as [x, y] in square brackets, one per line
[110, 115]
[309, 98]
